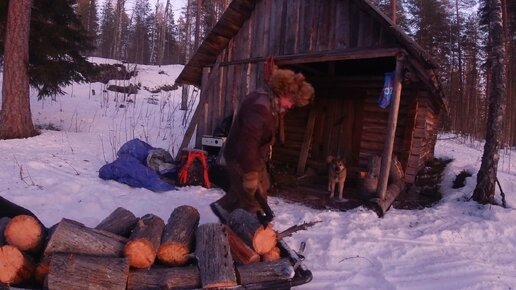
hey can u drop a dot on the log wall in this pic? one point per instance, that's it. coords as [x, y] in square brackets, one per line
[424, 137]
[285, 27]
[349, 122]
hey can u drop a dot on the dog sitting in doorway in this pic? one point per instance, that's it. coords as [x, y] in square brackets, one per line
[337, 173]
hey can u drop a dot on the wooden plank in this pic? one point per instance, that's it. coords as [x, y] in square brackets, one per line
[214, 105]
[275, 32]
[164, 278]
[323, 11]
[256, 34]
[364, 30]
[342, 25]
[283, 27]
[336, 55]
[202, 127]
[292, 26]
[332, 28]
[74, 271]
[199, 111]
[314, 22]
[228, 91]
[305, 29]
[307, 142]
[280, 270]
[354, 13]
[214, 258]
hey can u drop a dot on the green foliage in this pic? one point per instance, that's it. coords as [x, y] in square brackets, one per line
[57, 42]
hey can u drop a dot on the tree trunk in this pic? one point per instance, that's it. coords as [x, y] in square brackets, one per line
[120, 222]
[164, 278]
[178, 237]
[73, 271]
[485, 189]
[144, 241]
[16, 117]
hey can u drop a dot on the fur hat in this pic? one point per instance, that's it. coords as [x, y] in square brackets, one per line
[286, 82]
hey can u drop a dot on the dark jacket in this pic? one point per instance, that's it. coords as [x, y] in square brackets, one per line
[252, 133]
[247, 149]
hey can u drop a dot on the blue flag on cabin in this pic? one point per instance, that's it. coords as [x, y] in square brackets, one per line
[386, 95]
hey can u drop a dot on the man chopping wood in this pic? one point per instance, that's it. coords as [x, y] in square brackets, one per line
[249, 143]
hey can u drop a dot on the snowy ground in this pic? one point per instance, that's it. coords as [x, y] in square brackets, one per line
[456, 244]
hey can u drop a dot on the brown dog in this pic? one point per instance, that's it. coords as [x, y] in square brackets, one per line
[336, 175]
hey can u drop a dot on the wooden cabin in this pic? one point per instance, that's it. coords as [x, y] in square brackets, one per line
[344, 48]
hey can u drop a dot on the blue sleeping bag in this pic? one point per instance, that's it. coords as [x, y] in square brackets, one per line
[131, 168]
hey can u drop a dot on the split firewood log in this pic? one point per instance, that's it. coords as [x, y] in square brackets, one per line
[121, 222]
[250, 230]
[164, 278]
[213, 256]
[143, 244]
[3, 223]
[242, 253]
[73, 237]
[273, 255]
[25, 233]
[41, 270]
[279, 270]
[178, 236]
[15, 266]
[75, 271]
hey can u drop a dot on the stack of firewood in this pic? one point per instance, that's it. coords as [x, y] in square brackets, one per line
[126, 252]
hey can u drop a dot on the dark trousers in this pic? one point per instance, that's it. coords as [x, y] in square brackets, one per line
[237, 197]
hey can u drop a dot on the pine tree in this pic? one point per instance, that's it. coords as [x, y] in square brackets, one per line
[57, 43]
[87, 13]
[107, 30]
[171, 53]
[139, 47]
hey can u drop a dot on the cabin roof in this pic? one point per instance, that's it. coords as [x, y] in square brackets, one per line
[239, 11]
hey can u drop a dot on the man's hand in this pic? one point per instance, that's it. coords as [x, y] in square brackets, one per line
[250, 182]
